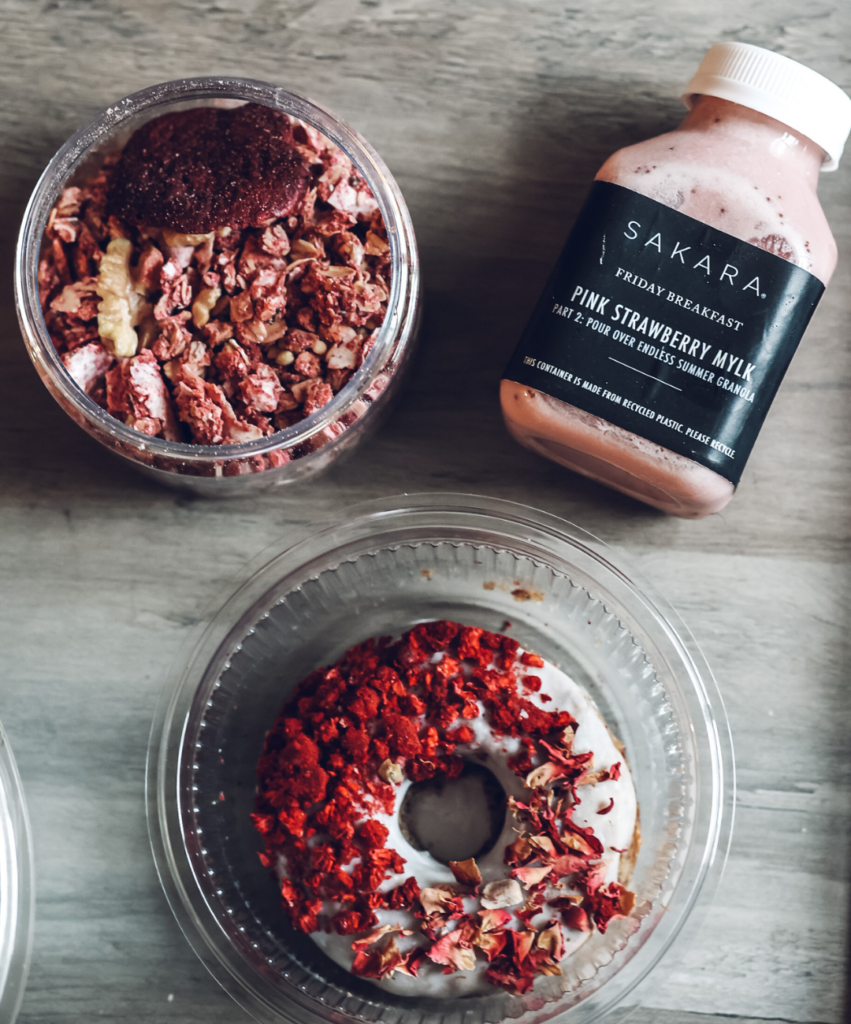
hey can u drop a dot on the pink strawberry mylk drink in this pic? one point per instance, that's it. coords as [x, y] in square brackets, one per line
[667, 325]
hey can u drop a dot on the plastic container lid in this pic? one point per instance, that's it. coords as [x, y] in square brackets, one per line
[779, 87]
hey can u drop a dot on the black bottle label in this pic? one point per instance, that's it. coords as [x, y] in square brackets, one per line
[667, 327]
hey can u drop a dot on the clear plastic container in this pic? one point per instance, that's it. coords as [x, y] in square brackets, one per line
[315, 442]
[391, 564]
[17, 892]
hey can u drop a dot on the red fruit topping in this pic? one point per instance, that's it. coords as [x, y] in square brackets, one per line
[331, 765]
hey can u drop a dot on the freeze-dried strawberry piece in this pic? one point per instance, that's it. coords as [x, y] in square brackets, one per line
[374, 834]
[351, 922]
[356, 744]
[48, 280]
[374, 868]
[261, 390]
[149, 267]
[194, 360]
[402, 736]
[172, 340]
[352, 196]
[264, 823]
[67, 334]
[209, 415]
[77, 301]
[306, 917]
[463, 734]
[200, 169]
[404, 896]
[88, 363]
[60, 262]
[345, 354]
[307, 364]
[275, 241]
[176, 291]
[135, 389]
[293, 819]
[298, 340]
[362, 715]
[216, 331]
[335, 222]
[318, 393]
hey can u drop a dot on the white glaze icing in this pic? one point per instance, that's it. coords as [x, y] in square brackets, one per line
[614, 830]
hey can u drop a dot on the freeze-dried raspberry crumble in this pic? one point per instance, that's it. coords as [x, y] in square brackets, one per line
[220, 279]
[207, 168]
[414, 710]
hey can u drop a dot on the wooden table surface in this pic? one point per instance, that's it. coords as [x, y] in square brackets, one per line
[493, 115]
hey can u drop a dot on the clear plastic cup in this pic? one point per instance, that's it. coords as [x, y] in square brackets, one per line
[17, 891]
[392, 564]
[288, 455]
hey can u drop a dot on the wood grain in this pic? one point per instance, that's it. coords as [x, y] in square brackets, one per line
[493, 115]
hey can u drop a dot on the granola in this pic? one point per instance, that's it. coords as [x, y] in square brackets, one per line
[213, 298]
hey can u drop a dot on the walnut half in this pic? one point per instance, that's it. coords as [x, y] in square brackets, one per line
[121, 307]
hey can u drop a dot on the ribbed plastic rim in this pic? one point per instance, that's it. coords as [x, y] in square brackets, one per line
[17, 890]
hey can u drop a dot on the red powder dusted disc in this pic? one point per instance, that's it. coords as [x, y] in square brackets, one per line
[205, 168]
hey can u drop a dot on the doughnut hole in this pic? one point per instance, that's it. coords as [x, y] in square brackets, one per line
[454, 819]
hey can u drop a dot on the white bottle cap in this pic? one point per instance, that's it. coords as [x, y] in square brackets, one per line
[779, 87]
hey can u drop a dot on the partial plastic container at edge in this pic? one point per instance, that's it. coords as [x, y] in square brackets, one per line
[17, 890]
[317, 441]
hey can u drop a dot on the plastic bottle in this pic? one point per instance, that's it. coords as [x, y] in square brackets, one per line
[597, 383]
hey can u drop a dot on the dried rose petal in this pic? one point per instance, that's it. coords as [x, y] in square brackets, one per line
[466, 871]
[504, 893]
[374, 936]
[438, 901]
[532, 876]
[450, 951]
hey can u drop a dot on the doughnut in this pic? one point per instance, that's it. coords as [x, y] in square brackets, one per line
[397, 725]
[197, 170]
